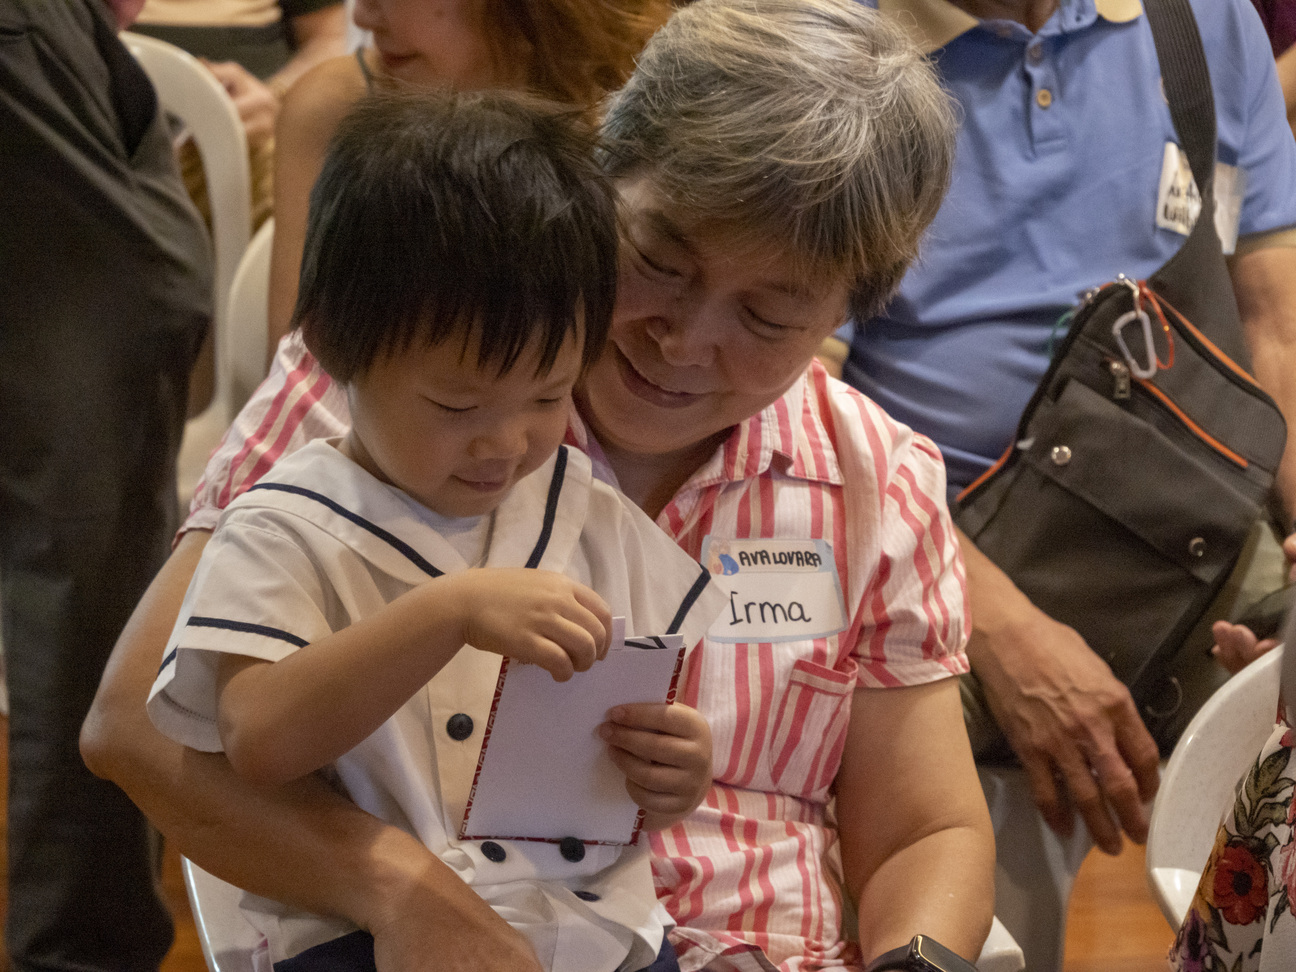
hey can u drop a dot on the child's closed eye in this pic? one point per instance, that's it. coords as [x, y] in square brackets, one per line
[450, 408]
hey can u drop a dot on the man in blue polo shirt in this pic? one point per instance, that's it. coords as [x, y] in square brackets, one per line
[1059, 172]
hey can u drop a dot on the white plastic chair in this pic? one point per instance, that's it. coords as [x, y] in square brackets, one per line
[247, 311]
[1200, 779]
[228, 939]
[1001, 953]
[244, 363]
[191, 93]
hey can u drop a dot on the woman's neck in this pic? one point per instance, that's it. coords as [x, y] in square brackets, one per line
[651, 481]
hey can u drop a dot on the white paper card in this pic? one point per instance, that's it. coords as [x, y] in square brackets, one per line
[544, 774]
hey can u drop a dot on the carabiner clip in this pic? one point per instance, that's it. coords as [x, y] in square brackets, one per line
[1140, 315]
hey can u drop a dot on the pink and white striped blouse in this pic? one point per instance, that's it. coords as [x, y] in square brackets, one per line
[753, 877]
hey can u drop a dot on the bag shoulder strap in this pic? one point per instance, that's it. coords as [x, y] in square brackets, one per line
[1187, 84]
[1196, 279]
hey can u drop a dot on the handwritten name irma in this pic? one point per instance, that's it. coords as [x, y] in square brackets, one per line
[768, 612]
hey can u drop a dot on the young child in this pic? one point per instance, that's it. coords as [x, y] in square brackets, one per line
[459, 273]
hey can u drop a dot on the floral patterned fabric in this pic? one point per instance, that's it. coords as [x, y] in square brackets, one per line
[1242, 917]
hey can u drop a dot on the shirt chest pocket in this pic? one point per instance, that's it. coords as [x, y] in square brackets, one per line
[809, 730]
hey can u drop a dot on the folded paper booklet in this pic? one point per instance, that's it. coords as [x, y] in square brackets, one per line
[544, 773]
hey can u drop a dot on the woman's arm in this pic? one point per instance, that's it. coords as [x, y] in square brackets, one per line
[300, 843]
[309, 114]
[917, 845]
[1061, 709]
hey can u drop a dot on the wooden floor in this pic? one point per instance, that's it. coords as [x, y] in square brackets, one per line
[1114, 925]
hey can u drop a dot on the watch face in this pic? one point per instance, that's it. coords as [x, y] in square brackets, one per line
[929, 955]
[923, 954]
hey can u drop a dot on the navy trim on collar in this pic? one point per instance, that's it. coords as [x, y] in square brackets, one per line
[391, 539]
[690, 599]
[551, 507]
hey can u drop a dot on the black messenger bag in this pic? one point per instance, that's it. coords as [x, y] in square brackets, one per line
[1147, 452]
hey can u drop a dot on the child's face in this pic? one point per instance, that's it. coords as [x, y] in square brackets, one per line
[454, 436]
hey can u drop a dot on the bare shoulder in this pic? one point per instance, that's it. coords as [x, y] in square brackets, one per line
[318, 100]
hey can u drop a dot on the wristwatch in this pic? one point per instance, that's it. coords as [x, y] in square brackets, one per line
[922, 954]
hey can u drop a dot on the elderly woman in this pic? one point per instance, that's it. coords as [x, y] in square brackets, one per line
[777, 161]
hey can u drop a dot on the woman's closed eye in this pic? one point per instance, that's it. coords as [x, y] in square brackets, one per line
[656, 266]
[763, 327]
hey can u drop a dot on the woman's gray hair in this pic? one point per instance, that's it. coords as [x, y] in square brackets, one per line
[814, 123]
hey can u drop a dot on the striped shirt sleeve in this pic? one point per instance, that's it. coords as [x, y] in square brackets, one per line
[296, 403]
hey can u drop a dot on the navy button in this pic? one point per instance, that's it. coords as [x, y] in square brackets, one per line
[586, 895]
[459, 727]
[493, 851]
[572, 849]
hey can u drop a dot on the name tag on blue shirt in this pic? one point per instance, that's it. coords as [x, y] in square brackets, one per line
[779, 590]
[1179, 202]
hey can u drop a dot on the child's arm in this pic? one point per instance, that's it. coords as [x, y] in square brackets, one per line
[665, 753]
[279, 721]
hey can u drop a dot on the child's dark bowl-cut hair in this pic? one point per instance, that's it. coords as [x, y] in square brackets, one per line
[481, 216]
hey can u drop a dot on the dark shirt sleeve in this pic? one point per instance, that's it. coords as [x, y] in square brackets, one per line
[295, 8]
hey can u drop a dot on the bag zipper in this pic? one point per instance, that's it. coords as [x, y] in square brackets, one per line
[1206, 347]
[1121, 389]
[1120, 379]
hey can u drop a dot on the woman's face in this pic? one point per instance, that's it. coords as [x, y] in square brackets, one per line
[704, 335]
[432, 41]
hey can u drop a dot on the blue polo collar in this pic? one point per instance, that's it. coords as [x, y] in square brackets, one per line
[934, 23]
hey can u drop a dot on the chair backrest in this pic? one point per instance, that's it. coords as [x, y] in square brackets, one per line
[190, 92]
[1200, 777]
[227, 938]
[248, 299]
[245, 363]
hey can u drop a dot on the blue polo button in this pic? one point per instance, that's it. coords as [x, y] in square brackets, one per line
[493, 851]
[459, 726]
[572, 849]
[586, 895]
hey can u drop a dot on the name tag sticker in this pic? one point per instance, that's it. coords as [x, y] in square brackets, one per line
[1179, 202]
[779, 590]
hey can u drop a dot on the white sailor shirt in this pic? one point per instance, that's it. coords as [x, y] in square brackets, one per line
[319, 543]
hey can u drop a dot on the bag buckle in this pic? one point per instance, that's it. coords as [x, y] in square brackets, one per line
[1145, 323]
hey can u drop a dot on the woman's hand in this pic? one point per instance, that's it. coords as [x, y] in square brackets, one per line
[535, 616]
[1071, 722]
[256, 103]
[665, 753]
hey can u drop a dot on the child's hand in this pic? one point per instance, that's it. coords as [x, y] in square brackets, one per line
[665, 753]
[1236, 646]
[535, 616]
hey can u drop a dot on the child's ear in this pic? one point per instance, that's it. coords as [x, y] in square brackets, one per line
[310, 335]
[306, 324]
